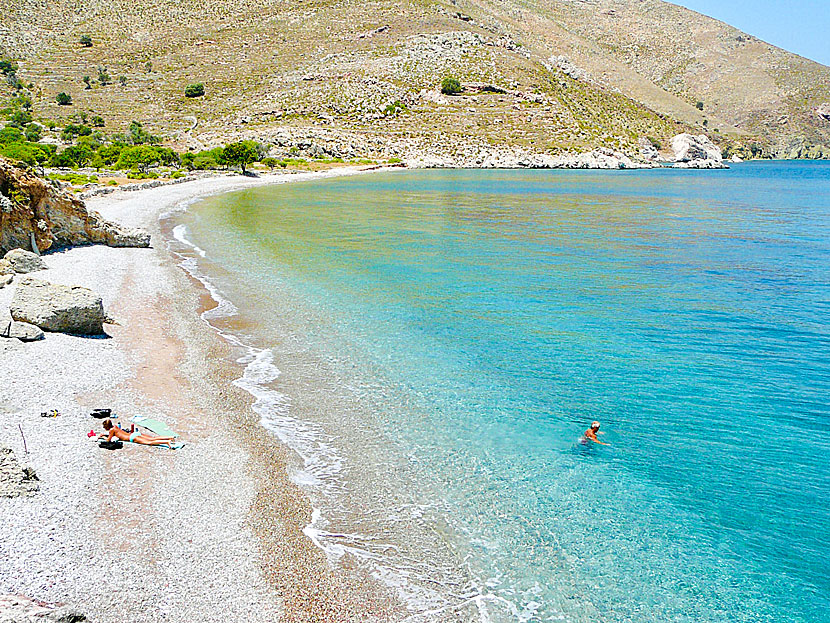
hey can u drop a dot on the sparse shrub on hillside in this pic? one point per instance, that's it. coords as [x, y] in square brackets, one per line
[195, 90]
[103, 77]
[699, 105]
[394, 108]
[20, 118]
[242, 153]
[71, 131]
[7, 66]
[33, 132]
[63, 99]
[148, 66]
[87, 82]
[139, 136]
[86, 41]
[97, 121]
[122, 80]
[24, 102]
[175, 175]
[450, 86]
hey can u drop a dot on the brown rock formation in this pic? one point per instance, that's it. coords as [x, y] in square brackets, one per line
[31, 207]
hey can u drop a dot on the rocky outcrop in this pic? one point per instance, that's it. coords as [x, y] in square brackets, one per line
[648, 151]
[15, 479]
[5, 280]
[696, 152]
[34, 211]
[25, 261]
[823, 112]
[58, 308]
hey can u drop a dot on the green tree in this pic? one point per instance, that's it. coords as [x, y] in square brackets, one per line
[30, 153]
[63, 99]
[195, 90]
[140, 136]
[86, 41]
[139, 156]
[242, 153]
[20, 118]
[271, 163]
[450, 86]
[110, 153]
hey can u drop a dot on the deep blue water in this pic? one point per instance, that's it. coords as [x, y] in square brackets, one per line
[446, 336]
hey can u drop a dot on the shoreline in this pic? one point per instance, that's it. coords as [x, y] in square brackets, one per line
[222, 508]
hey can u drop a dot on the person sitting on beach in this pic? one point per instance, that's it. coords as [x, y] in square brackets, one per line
[591, 434]
[134, 436]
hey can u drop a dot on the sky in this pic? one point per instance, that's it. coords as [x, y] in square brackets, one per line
[800, 26]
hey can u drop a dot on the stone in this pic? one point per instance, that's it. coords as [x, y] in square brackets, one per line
[6, 267]
[823, 111]
[688, 148]
[25, 261]
[5, 280]
[22, 331]
[648, 151]
[58, 308]
[22, 609]
[15, 479]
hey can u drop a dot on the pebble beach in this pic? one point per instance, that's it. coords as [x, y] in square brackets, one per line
[211, 532]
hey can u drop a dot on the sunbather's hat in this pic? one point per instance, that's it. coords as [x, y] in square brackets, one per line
[101, 413]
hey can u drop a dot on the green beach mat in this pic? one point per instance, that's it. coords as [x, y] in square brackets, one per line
[156, 426]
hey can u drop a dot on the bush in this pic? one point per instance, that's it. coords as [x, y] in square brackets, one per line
[86, 41]
[394, 108]
[20, 119]
[103, 77]
[97, 121]
[30, 153]
[450, 86]
[33, 132]
[110, 153]
[271, 163]
[394, 161]
[63, 99]
[74, 156]
[195, 90]
[176, 175]
[71, 131]
[699, 105]
[112, 183]
[10, 135]
[122, 80]
[88, 83]
[140, 136]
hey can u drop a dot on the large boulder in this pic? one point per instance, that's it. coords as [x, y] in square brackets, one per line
[5, 280]
[34, 214]
[696, 152]
[58, 308]
[25, 261]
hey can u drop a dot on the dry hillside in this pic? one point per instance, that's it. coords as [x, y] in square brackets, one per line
[553, 76]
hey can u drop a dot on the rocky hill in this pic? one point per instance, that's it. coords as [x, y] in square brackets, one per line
[363, 76]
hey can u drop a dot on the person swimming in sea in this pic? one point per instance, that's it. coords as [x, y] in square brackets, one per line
[591, 435]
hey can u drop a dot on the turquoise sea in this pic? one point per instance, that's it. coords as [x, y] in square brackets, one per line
[432, 344]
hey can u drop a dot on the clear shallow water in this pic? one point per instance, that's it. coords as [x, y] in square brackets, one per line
[433, 343]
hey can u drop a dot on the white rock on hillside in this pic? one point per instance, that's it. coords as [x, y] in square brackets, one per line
[696, 152]
[58, 308]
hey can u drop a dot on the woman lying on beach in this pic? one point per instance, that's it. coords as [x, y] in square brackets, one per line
[134, 436]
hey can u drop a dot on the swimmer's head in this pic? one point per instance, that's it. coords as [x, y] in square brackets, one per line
[595, 425]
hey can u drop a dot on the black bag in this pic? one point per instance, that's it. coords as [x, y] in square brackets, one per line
[101, 413]
[111, 445]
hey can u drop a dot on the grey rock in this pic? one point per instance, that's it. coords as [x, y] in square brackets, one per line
[25, 261]
[22, 331]
[6, 267]
[5, 280]
[58, 308]
[15, 479]
[648, 151]
[823, 111]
